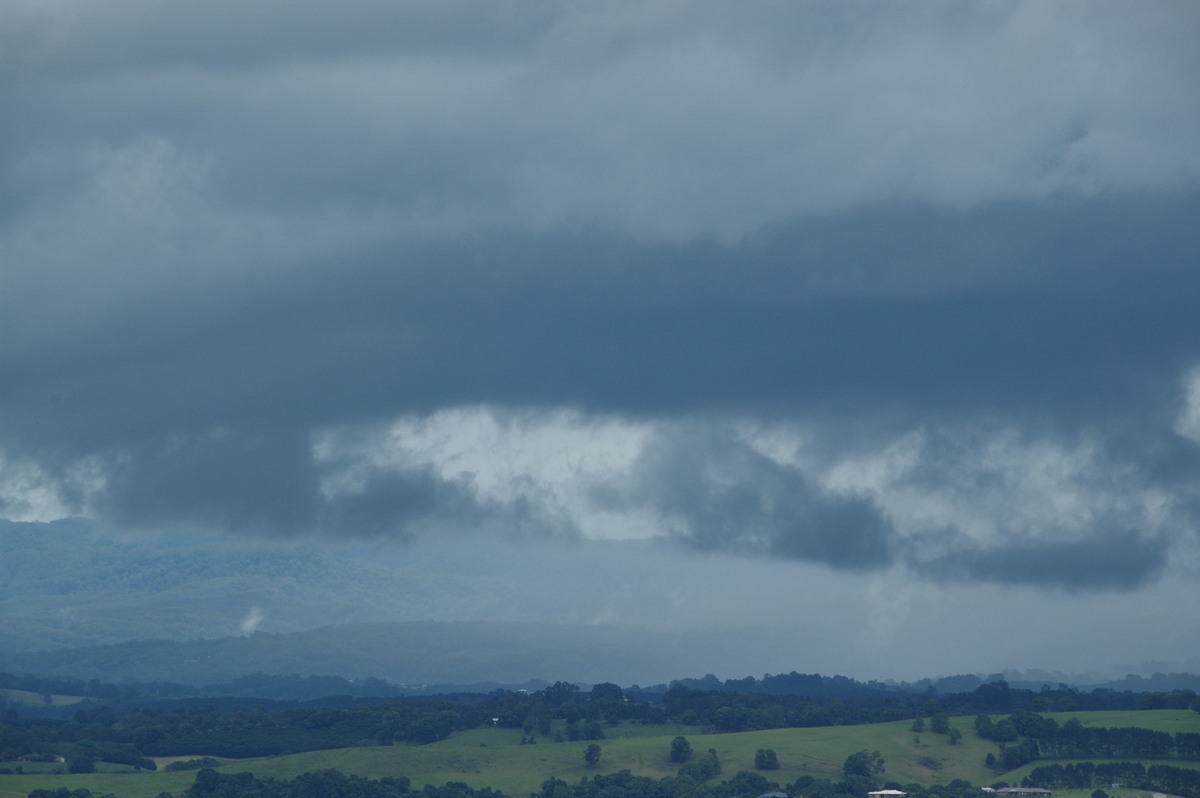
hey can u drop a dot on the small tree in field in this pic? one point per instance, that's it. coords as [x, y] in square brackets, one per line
[681, 750]
[867, 764]
[765, 759]
[591, 755]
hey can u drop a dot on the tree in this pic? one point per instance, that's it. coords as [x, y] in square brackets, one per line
[1006, 731]
[863, 763]
[681, 750]
[711, 764]
[704, 768]
[561, 693]
[985, 727]
[765, 759]
[607, 691]
[591, 755]
[207, 782]
[747, 783]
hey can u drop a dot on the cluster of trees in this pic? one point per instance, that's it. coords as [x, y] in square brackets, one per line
[938, 723]
[867, 764]
[334, 784]
[1172, 699]
[261, 733]
[1013, 756]
[766, 759]
[1085, 775]
[97, 736]
[811, 685]
[194, 764]
[325, 783]
[581, 730]
[733, 712]
[1045, 737]
[79, 746]
[724, 710]
[1073, 739]
[585, 714]
[63, 792]
[702, 768]
[962, 695]
[626, 785]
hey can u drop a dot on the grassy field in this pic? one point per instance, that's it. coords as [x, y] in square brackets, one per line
[26, 697]
[495, 758]
[1171, 721]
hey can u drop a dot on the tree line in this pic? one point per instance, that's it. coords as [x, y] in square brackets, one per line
[1085, 775]
[1045, 737]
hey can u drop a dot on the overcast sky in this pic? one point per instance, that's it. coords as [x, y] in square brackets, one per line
[899, 297]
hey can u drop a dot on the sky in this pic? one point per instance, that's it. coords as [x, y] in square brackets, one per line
[897, 300]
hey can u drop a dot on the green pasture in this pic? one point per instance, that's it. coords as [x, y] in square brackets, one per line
[1171, 721]
[493, 757]
[28, 697]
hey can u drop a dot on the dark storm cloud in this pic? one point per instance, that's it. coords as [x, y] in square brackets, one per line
[716, 493]
[209, 409]
[608, 325]
[229, 229]
[401, 505]
[259, 478]
[266, 481]
[1104, 560]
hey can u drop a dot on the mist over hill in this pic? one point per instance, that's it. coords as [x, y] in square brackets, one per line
[414, 653]
[204, 609]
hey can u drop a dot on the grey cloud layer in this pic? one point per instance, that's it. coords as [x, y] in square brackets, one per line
[216, 428]
[668, 120]
[225, 230]
[609, 325]
[716, 493]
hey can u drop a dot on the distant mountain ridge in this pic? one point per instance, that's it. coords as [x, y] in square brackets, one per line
[449, 656]
[406, 653]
